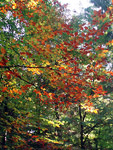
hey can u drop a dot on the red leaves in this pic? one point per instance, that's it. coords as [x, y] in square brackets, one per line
[83, 34]
[111, 73]
[99, 90]
[35, 136]
[8, 75]
[24, 88]
[97, 13]
[67, 75]
[66, 26]
[14, 73]
[37, 92]
[3, 51]
[26, 53]
[4, 89]
[3, 62]
[76, 33]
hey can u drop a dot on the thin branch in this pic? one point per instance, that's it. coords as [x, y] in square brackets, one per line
[26, 81]
[19, 66]
[49, 67]
[22, 78]
[91, 128]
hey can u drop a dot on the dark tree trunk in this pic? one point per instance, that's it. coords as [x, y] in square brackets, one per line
[3, 141]
[96, 144]
[81, 129]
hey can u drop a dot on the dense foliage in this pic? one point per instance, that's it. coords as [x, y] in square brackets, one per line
[52, 78]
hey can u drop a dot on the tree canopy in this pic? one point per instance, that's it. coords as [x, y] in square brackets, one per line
[50, 65]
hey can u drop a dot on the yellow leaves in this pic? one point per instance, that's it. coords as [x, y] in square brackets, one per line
[29, 98]
[63, 65]
[59, 25]
[95, 111]
[111, 7]
[44, 129]
[50, 95]
[103, 53]
[54, 141]
[50, 122]
[45, 63]
[54, 124]
[34, 69]
[57, 125]
[14, 6]
[89, 107]
[43, 89]
[32, 4]
[92, 110]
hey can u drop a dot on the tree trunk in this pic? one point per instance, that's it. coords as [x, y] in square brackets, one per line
[81, 129]
[3, 141]
[96, 144]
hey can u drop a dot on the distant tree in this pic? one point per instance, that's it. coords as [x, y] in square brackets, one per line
[103, 4]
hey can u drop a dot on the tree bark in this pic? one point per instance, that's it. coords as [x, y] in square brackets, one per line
[3, 142]
[81, 129]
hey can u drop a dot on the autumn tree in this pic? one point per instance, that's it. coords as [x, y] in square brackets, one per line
[87, 108]
[45, 67]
